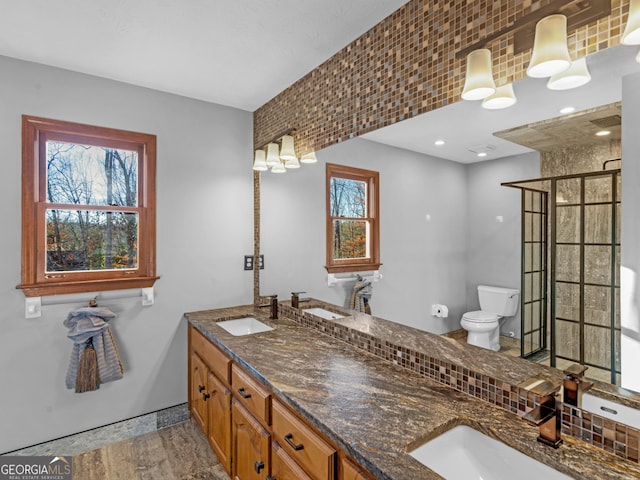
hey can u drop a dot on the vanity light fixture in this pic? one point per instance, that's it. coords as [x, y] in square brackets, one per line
[603, 133]
[280, 157]
[566, 110]
[550, 54]
[631, 35]
[478, 81]
[438, 143]
[575, 76]
[503, 98]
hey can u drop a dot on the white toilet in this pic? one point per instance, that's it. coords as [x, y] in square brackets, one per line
[484, 325]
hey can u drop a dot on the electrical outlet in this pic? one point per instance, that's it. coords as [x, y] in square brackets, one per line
[248, 262]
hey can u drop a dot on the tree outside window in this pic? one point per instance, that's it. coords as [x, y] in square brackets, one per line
[352, 219]
[88, 208]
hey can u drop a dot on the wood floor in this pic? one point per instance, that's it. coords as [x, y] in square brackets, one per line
[180, 452]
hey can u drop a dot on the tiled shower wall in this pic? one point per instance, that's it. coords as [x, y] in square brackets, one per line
[406, 66]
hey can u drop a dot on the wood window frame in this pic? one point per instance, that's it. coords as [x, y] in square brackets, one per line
[35, 280]
[372, 179]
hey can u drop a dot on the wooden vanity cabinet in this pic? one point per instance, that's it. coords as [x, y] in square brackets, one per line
[209, 397]
[351, 471]
[250, 449]
[255, 436]
[307, 448]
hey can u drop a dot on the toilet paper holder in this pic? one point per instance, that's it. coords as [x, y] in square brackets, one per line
[439, 311]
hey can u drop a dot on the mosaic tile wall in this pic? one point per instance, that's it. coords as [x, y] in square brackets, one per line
[406, 66]
[613, 437]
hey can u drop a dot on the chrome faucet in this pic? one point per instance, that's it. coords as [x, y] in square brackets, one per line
[547, 415]
[574, 385]
[295, 299]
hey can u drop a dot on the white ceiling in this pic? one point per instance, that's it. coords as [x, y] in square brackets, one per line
[242, 53]
[239, 53]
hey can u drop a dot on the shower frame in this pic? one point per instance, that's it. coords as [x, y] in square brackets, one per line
[546, 190]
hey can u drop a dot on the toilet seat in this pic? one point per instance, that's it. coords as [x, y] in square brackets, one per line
[480, 317]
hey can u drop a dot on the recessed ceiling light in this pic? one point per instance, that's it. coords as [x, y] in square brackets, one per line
[482, 154]
[438, 142]
[567, 110]
[603, 133]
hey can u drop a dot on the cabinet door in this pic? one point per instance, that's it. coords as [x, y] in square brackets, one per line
[250, 451]
[199, 391]
[219, 415]
[283, 467]
[352, 472]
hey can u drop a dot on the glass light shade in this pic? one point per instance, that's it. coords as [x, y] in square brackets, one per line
[278, 168]
[273, 156]
[259, 162]
[575, 76]
[550, 53]
[478, 81]
[638, 56]
[287, 152]
[503, 98]
[292, 163]
[631, 35]
[309, 158]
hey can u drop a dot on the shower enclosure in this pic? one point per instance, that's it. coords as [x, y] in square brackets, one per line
[571, 271]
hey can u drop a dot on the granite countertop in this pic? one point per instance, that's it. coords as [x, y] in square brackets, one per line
[377, 411]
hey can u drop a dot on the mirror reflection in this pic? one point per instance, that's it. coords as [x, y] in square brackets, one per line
[448, 225]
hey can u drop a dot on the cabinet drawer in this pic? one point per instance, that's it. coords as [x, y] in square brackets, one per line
[217, 361]
[283, 467]
[305, 446]
[251, 394]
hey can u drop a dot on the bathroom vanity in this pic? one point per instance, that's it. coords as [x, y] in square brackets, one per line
[339, 398]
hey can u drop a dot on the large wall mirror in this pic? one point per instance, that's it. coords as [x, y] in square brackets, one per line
[447, 223]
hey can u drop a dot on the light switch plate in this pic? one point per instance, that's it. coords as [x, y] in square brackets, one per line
[32, 307]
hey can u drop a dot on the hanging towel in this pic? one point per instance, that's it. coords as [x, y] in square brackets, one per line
[91, 323]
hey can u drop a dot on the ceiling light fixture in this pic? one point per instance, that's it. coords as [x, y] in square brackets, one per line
[603, 133]
[503, 98]
[438, 143]
[575, 76]
[482, 154]
[566, 110]
[631, 35]
[478, 83]
[550, 53]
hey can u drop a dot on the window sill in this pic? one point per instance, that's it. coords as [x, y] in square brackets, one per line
[355, 267]
[83, 286]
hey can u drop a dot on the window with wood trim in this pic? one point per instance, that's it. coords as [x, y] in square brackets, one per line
[353, 211]
[88, 208]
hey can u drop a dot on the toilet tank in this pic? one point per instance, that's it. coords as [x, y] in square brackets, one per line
[498, 300]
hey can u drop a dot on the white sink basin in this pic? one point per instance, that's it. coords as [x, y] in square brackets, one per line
[608, 409]
[244, 326]
[466, 454]
[326, 314]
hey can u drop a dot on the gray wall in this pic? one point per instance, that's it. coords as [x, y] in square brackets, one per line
[493, 247]
[424, 262]
[630, 262]
[204, 202]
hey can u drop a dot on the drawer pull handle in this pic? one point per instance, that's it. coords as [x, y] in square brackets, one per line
[243, 394]
[206, 396]
[288, 437]
[257, 466]
[200, 388]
